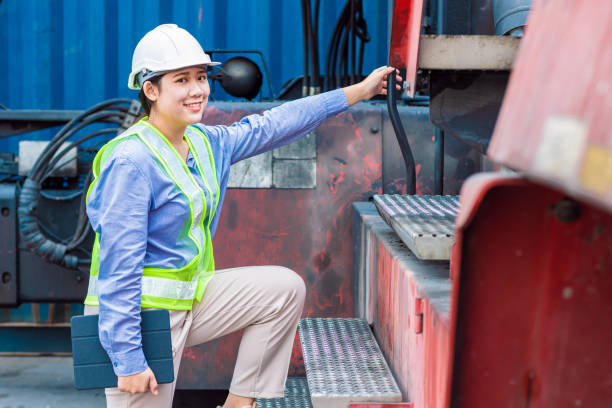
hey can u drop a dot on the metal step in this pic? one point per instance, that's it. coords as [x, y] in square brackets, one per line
[297, 395]
[426, 224]
[344, 363]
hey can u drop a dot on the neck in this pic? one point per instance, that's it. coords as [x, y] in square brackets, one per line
[173, 131]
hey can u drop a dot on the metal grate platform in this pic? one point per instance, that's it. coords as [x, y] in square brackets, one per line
[426, 224]
[297, 395]
[344, 363]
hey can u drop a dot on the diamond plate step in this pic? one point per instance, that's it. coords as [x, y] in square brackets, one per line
[426, 224]
[297, 395]
[344, 363]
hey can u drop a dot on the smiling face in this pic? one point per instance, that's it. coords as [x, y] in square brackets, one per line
[180, 97]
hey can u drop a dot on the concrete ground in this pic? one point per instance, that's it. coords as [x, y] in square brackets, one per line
[47, 382]
[43, 382]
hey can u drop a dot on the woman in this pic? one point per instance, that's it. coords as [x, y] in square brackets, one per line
[154, 205]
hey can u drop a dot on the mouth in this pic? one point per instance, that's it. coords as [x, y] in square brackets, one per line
[194, 107]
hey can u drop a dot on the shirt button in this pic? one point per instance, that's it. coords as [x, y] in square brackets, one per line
[115, 364]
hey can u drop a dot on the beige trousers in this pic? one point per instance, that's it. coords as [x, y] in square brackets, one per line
[265, 300]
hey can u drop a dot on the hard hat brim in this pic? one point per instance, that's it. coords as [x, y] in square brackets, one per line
[133, 82]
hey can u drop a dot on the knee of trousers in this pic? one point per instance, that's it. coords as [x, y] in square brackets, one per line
[292, 283]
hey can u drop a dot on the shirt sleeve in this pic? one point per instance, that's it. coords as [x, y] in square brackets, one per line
[118, 210]
[282, 125]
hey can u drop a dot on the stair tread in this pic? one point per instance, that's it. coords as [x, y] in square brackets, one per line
[344, 362]
[425, 223]
[297, 395]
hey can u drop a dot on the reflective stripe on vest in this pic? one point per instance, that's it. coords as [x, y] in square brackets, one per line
[172, 288]
[159, 287]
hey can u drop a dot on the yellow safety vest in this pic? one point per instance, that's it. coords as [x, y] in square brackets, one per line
[171, 288]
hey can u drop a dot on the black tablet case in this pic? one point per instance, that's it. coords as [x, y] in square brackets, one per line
[92, 366]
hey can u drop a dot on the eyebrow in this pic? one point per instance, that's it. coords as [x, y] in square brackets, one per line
[202, 71]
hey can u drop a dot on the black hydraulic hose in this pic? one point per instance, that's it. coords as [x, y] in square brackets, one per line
[306, 79]
[316, 36]
[439, 162]
[30, 232]
[106, 116]
[337, 58]
[402, 139]
[328, 61]
[55, 142]
[311, 46]
[314, 45]
[81, 231]
[109, 104]
[342, 49]
[362, 33]
[331, 60]
[58, 156]
[332, 51]
[309, 35]
[346, 45]
[335, 55]
[352, 28]
[121, 108]
[361, 49]
[342, 66]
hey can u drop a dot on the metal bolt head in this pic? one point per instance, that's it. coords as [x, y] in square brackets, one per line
[374, 129]
[566, 210]
[6, 277]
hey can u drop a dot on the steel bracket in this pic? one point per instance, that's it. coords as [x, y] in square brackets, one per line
[418, 315]
[8, 245]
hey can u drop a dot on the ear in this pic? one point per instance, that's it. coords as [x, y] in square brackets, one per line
[150, 91]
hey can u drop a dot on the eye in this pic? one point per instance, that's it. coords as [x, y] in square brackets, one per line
[202, 77]
[181, 80]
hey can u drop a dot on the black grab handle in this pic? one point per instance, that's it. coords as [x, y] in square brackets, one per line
[401, 134]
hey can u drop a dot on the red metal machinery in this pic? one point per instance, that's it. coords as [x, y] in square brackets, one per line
[530, 267]
[531, 272]
[404, 47]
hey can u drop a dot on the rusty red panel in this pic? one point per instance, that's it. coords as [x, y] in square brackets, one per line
[387, 405]
[554, 123]
[405, 38]
[531, 300]
[307, 230]
[412, 332]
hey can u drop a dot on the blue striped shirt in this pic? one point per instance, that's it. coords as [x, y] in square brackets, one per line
[134, 208]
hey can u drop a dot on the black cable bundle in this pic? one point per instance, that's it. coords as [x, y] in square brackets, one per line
[311, 86]
[110, 111]
[342, 53]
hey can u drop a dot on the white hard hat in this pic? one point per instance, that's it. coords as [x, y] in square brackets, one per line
[165, 48]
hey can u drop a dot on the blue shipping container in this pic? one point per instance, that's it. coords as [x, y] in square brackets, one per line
[71, 54]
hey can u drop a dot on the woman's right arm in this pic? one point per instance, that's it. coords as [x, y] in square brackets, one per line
[118, 209]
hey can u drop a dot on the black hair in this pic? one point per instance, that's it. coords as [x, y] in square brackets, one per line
[146, 102]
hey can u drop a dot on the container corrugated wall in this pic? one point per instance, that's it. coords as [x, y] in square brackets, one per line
[72, 54]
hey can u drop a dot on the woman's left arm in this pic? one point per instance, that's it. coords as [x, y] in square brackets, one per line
[284, 124]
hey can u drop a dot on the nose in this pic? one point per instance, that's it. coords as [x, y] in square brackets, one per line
[196, 89]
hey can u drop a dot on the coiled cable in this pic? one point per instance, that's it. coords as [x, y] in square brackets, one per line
[47, 246]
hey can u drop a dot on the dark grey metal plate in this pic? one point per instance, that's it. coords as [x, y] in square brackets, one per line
[344, 363]
[8, 245]
[426, 224]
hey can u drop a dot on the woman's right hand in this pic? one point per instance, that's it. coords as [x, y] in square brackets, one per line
[140, 382]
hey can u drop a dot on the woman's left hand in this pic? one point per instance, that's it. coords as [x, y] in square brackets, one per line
[374, 84]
